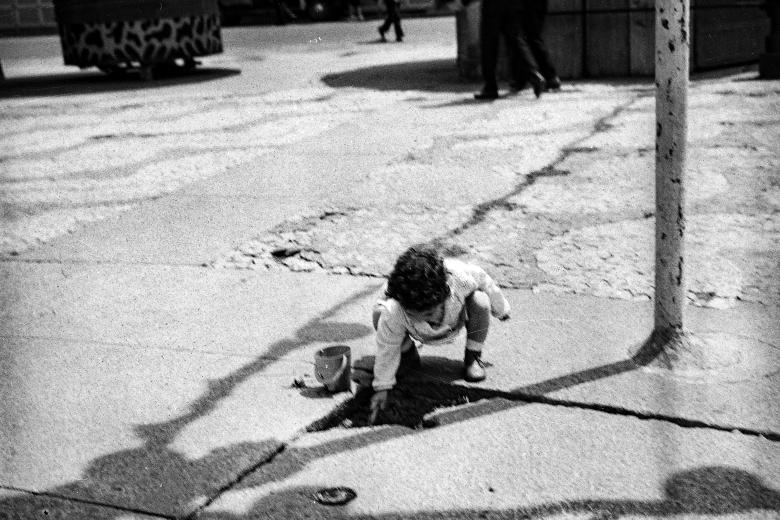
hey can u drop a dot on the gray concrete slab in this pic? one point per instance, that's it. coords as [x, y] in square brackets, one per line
[181, 308]
[496, 459]
[131, 428]
[148, 352]
[574, 349]
[20, 505]
[101, 404]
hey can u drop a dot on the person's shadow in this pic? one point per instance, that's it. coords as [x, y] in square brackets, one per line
[708, 491]
[156, 479]
[432, 76]
[92, 82]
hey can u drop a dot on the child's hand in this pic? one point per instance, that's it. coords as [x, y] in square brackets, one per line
[378, 402]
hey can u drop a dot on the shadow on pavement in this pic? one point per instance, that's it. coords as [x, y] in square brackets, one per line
[443, 76]
[431, 75]
[156, 479]
[435, 386]
[709, 490]
[92, 82]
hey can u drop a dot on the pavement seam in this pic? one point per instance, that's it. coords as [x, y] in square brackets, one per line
[87, 502]
[236, 481]
[480, 211]
[343, 411]
[11, 258]
[140, 346]
[308, 223]
[626, 412]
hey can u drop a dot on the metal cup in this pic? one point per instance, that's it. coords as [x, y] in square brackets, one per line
[333, 367]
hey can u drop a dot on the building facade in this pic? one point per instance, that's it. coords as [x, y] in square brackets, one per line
[27, 16]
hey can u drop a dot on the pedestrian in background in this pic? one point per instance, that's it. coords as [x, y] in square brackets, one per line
[283, 13]
[393, 18]
[355, 11]
[532, 23]
[499, 18]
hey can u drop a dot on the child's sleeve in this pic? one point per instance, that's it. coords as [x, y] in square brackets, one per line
[390, 333]
[499, 305]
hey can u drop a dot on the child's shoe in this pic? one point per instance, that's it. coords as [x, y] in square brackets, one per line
[473, 366]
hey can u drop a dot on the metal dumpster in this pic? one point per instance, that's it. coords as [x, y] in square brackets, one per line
[117, 35]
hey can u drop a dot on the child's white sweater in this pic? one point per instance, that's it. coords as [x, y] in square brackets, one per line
[394, 324]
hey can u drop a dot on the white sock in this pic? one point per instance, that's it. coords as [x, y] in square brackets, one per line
[474, 345]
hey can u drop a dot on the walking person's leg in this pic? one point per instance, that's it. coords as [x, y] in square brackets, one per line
[488, 42]
[534, 14]
[389, 6]
[521, 60]
[526, 68]
[399, 33]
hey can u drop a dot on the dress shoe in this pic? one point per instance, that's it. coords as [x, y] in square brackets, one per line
[381, 35]
[486, 94]
[537, 83]
[515, 87]
[553, 83]
[473, 366]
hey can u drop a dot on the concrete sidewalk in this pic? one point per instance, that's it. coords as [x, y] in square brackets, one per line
[152, 332]
[158, 400]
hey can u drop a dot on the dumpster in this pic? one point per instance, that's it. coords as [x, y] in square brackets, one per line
[120, 35]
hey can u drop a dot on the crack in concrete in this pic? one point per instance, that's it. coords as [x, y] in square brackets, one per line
[481, 211]
[237, 481]
[76, 500]
[276, 249]
[421, 404]
[13, 257]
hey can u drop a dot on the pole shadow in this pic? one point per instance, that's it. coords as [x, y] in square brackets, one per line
[706, 490]
[92, 82]
[155, 479]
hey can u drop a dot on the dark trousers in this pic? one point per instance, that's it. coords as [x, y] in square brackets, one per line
[500, 20]
[532, 23]
[393, 18]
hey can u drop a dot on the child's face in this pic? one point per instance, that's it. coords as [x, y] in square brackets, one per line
[433, 314]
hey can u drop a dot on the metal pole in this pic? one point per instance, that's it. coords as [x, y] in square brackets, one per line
[671, 79]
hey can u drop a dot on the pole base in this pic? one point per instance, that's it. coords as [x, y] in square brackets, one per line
[716, 355]
[769, 65]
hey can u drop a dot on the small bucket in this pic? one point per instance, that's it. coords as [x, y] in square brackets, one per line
[333, 367]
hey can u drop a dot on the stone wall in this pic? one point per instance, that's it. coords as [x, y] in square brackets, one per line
[18, 16]
[616, 38]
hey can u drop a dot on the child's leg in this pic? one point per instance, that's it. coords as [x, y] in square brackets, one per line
[477, 324]
[478, 311]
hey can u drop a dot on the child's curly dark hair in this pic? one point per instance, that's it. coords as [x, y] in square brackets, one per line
[419, 279]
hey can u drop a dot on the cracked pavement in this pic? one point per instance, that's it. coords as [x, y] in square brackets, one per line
[558, 196]
[174, 255]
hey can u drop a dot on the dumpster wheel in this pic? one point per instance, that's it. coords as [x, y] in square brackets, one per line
[150, 71]
[146, 72]
[113, 70]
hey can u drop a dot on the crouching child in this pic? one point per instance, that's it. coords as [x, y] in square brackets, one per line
[427, 300]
